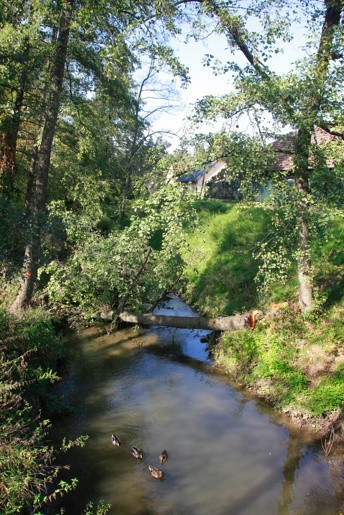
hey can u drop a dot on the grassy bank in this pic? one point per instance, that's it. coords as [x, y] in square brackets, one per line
[291, 361]
[220, 272]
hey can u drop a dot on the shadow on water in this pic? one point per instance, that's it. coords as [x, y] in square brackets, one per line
[227, 453]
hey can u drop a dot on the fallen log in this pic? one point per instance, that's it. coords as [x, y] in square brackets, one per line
[225, 323]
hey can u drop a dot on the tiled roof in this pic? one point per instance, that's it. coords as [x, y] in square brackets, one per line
[285, 145]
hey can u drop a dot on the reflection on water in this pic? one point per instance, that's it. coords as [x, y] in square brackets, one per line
[227, 455]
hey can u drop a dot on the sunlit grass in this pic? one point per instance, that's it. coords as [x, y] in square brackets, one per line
[220, 268]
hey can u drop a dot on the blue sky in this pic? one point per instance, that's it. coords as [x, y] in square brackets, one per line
[204, 82]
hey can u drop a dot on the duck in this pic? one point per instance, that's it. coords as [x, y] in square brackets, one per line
[155, 472]
[163, 456]
[115, 440]
[137, 453]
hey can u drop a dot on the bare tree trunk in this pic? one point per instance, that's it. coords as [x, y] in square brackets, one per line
[32, 249]
[230, 323]
[301, 163]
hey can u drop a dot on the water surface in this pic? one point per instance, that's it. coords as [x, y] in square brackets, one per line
[228, 454]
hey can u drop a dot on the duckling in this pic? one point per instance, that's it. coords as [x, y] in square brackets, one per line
[137, 453]
[115, 440]
[163, 456]
[155, 472]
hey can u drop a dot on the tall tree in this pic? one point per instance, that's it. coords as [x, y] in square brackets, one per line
[43, 160]
[301, 100]
[333, 10]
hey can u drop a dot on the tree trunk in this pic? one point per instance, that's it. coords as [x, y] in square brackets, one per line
[301, 164]
[10, 136]
[28, 279]
[306, 298]
[229, 323]
[302, 152]
[28, 203]
[32, 249]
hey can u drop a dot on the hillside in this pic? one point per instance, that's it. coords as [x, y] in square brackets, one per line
[220, 268]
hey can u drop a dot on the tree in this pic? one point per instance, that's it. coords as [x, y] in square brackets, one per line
[139, 135]
[124, 268]
[85, 46]
[21, 60]
[38, 203]
[303, 99]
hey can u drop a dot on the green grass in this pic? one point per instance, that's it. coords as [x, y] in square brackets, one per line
[327, 396]
[220, 271]
[289, 362]
[220, 268]
[328, 263]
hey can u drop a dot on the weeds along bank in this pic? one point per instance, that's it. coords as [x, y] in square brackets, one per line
[294, 362]
[31, 352]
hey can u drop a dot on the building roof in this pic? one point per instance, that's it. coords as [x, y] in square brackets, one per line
[208, 173]
[284, 147]
[193, 176]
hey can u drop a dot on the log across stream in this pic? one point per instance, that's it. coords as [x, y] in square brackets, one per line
[223, 323]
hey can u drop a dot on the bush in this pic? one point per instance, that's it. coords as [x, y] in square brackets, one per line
[27, 469]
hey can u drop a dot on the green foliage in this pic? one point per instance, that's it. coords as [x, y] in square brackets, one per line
[12, 222]
[327, 249]
[4, 321]
[100, 509]
[328, 395]
[242, 250]
[126, 267]
[241, 349]
[277, 354]
[276, 361]
[27, 464]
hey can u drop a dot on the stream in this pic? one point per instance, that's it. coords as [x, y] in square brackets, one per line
[157, 389]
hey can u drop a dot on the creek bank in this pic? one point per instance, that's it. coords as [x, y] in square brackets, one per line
[327, 428]
[316, 360]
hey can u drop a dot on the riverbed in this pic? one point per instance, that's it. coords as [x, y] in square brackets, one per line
[157, 389]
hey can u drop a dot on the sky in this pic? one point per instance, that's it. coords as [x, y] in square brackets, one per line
[204, 82]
